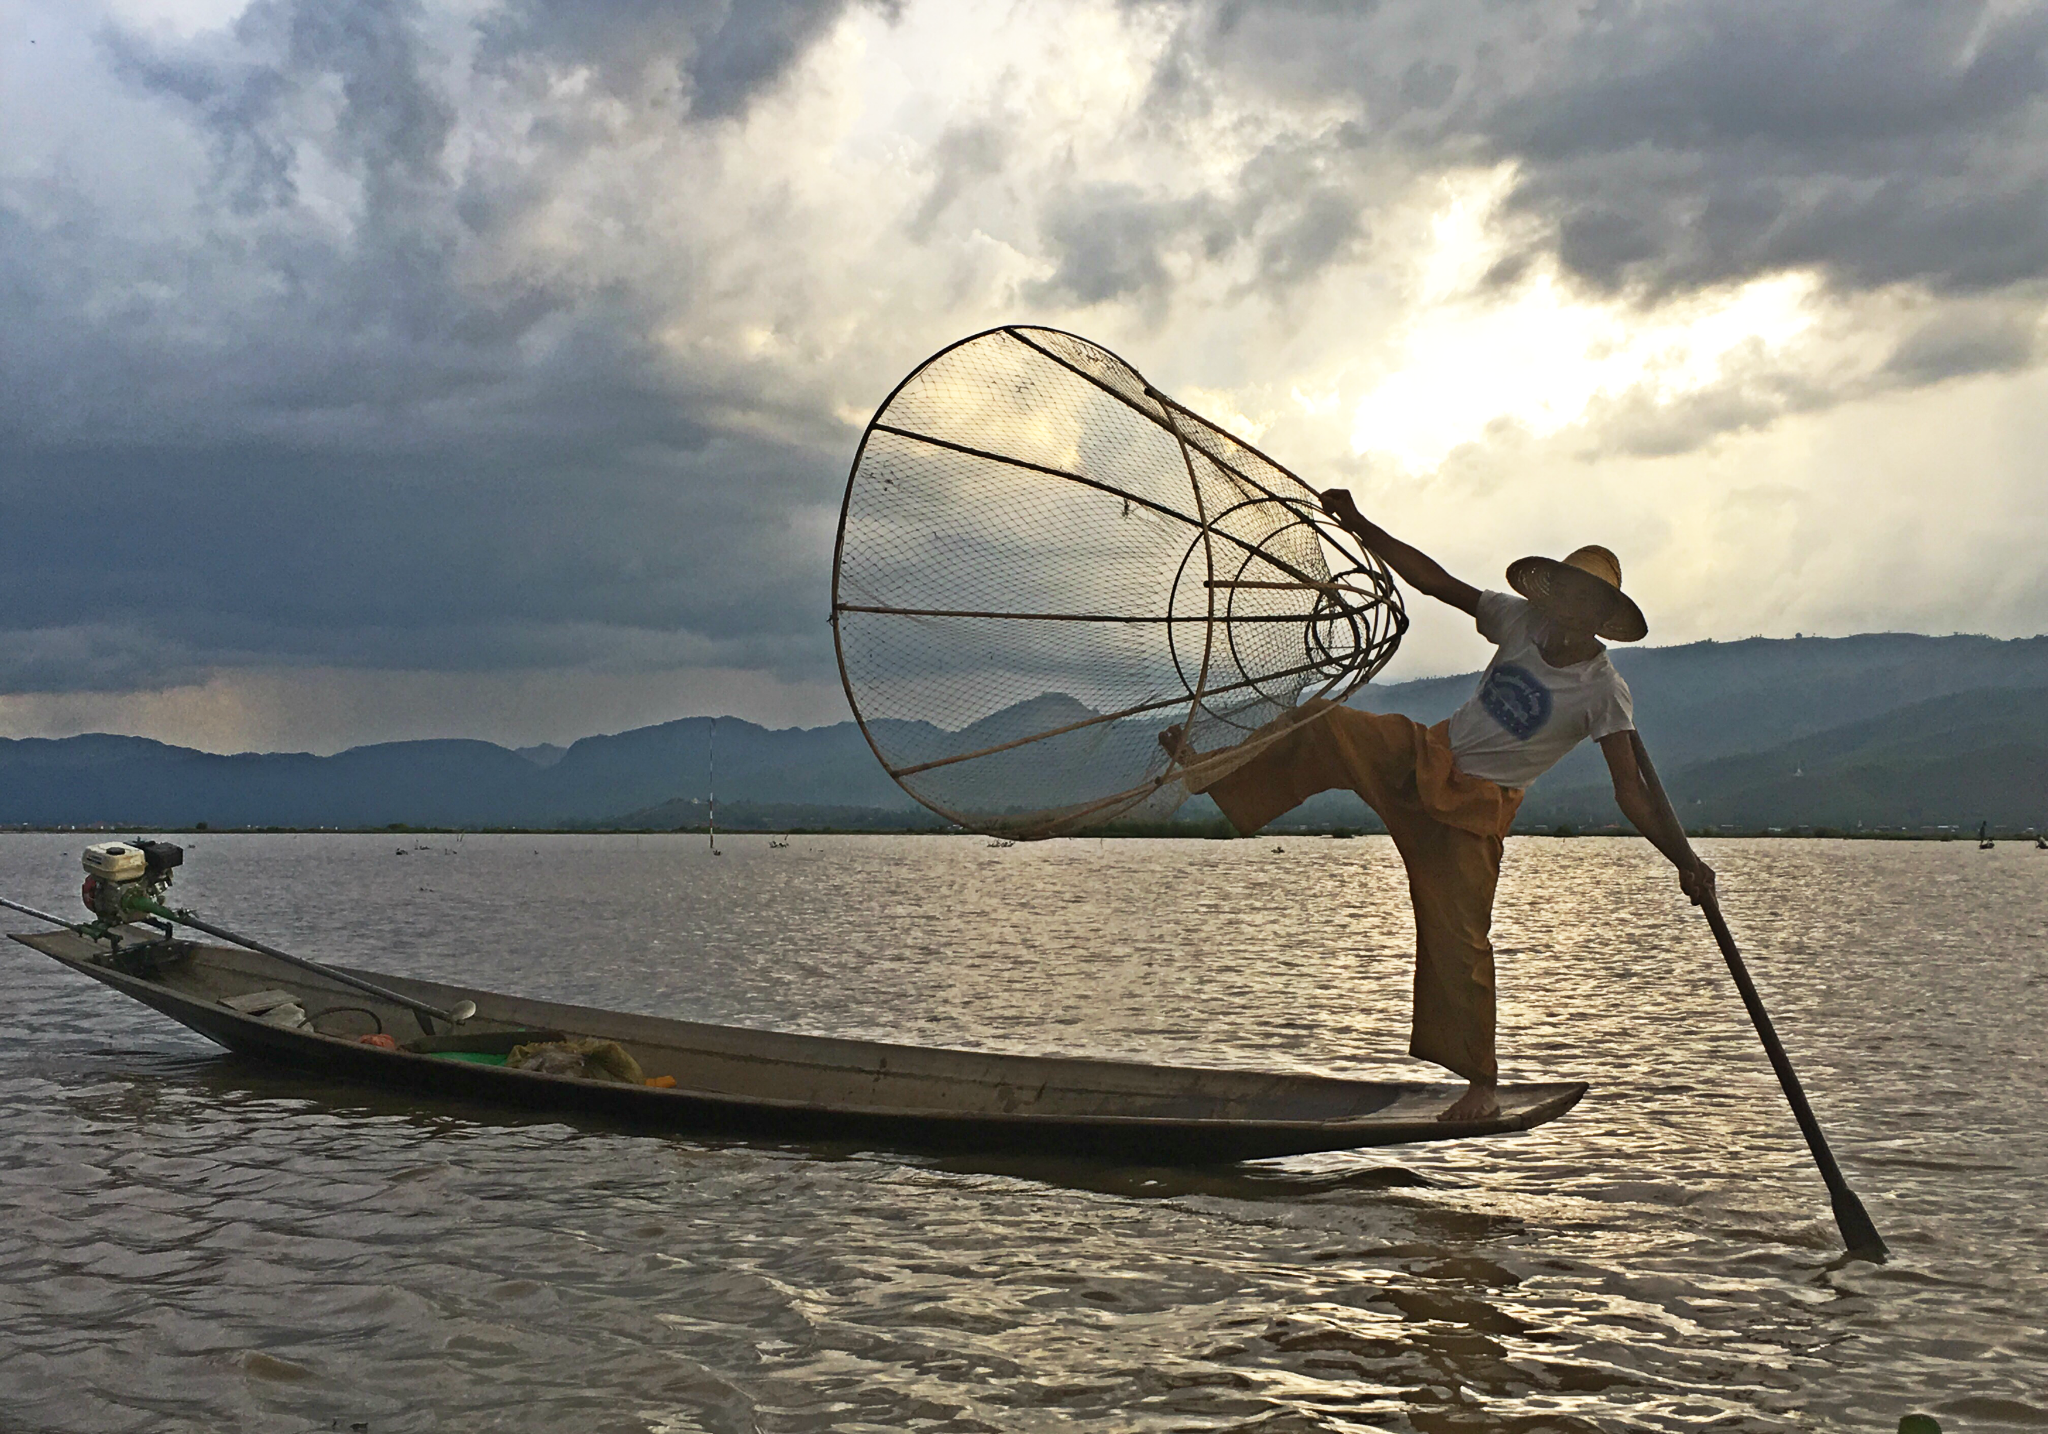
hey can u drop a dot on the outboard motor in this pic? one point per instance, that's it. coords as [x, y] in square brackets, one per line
[125, 880]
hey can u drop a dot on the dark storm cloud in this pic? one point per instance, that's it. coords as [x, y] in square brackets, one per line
[392, 121]
[1296, 206]
[1302, 209]
[277, 438]
[1966, 339]
[724, 51]
[1883, 146]
[421, 561]
[1667, 146]
[83, 655]
[1111, 241]
[401, 337]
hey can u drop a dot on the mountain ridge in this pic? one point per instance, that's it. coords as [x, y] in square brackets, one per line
[1746, 706]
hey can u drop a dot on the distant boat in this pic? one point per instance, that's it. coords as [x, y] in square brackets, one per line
[1984, 841]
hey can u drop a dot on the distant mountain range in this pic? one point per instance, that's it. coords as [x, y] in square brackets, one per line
[1882, 730]
[1885, 730]
[438, 783]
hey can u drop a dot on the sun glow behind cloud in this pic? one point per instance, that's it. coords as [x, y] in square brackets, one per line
[1538, 355]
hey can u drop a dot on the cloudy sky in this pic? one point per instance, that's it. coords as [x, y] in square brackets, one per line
[373, 369]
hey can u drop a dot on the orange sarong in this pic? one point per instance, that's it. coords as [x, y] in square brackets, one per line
[1448, 828]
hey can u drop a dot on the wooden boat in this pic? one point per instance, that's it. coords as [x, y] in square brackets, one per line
[765, 1084]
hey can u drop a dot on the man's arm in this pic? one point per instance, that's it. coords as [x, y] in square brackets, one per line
[1413, 566]
[1654, 819]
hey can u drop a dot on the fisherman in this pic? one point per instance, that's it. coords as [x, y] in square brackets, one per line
[1448, 793]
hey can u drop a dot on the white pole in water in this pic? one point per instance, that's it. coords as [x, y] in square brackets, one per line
[711, 785]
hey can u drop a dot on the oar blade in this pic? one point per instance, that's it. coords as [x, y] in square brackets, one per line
[1859, 1232]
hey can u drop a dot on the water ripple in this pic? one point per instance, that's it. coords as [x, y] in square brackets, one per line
[195, 1243]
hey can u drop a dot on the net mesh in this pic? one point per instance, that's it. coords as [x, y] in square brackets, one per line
[1043, 563]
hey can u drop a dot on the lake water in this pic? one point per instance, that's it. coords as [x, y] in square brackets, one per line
[195, 1243]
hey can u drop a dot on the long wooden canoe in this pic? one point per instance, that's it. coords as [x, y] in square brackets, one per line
[736, 1081]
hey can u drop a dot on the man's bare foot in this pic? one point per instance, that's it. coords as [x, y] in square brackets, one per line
[1479, 1102]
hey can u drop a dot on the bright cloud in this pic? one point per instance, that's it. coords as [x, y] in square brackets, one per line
[1536, 354]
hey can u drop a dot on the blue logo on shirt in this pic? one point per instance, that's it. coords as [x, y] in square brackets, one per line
[1514, 698]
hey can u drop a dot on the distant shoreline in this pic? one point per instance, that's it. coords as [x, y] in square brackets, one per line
[1886, 737]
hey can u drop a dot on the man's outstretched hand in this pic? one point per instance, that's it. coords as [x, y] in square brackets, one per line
[1339, 504]
[1697, 881]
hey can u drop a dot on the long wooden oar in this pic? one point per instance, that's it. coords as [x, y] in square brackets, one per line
[38, 915]
[1859, 1234]
[462, 1011]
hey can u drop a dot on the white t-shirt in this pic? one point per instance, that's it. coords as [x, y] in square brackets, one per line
[1527, 714]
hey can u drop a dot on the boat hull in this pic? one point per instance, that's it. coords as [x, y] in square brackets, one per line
[732, 1081]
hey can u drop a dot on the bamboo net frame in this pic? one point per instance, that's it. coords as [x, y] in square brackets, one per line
[1042, 562]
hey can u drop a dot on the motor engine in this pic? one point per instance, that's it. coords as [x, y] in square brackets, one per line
[124, 879]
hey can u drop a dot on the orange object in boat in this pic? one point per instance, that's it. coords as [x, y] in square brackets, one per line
[662, 1082]
[381, 1041]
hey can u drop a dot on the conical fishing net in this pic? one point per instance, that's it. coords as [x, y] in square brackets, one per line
[1043, 562]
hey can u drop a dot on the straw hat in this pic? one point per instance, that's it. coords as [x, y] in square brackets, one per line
[1583, 590]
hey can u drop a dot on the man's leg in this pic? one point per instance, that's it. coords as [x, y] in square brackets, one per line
[1452, 873]
[1369, 753]
[1452, 876]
